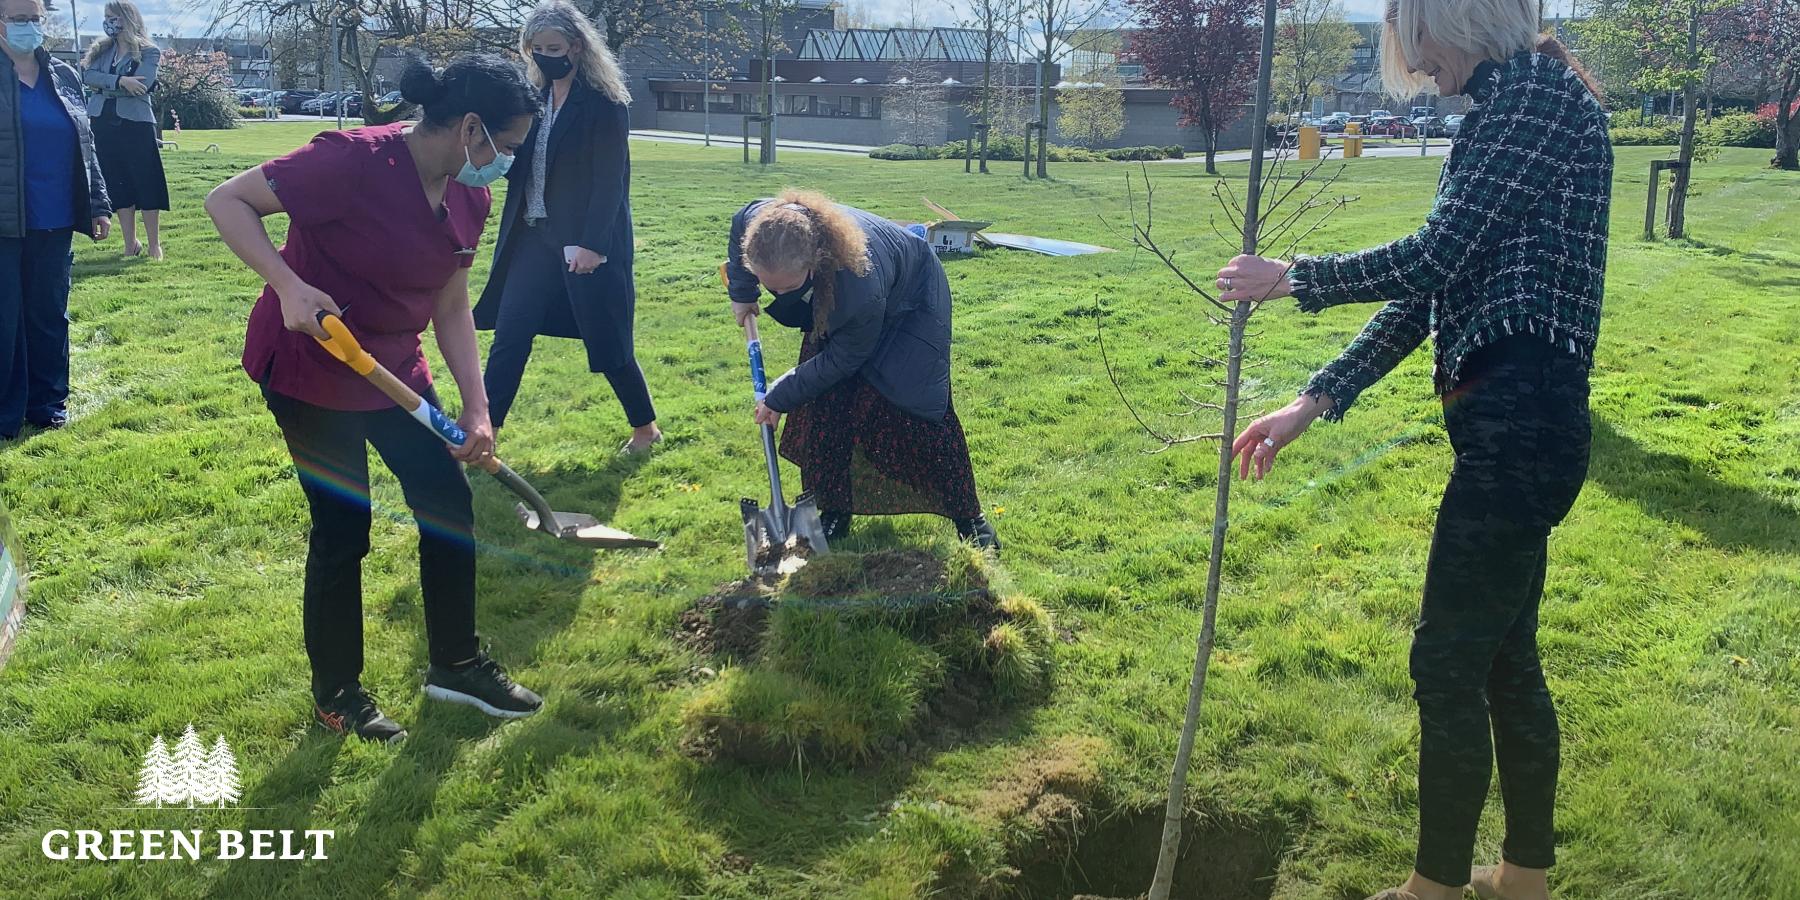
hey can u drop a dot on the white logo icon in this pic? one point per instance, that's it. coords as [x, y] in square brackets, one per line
[192, 774]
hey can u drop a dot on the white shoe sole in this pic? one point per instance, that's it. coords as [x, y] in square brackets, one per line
[449, 696]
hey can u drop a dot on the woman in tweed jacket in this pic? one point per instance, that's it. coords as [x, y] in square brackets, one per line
[1507, 275]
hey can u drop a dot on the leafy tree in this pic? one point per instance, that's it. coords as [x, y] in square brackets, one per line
[1206, 51]
[196, 89]
[1094, 113]
[1313, 44]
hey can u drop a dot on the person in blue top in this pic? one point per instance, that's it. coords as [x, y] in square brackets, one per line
[50, 187]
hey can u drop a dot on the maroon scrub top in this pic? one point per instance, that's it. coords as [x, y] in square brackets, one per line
[361, 230]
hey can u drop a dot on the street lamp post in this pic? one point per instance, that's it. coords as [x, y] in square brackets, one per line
[706, 78]
[337, 70]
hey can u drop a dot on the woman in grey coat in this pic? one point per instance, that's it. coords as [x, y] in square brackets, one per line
[870, 422]
[121, 70]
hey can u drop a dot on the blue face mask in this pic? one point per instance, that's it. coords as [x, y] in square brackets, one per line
[482, 176]
[24, 37]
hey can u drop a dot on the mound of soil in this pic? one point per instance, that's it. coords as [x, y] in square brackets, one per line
[1099, 855]
[729, 622]
[904, 589]
[724, 627]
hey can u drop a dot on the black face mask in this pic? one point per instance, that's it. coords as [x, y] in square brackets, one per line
[555, 68]
[794, 308]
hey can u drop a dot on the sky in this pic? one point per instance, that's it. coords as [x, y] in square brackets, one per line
[184, 18]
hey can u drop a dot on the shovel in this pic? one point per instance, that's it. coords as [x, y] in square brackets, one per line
[534, 512]
[770, 534]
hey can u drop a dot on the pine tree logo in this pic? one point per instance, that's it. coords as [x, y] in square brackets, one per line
[191, 775]
[156, 779]
[221, 767]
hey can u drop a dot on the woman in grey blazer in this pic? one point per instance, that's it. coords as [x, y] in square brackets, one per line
[121, 70]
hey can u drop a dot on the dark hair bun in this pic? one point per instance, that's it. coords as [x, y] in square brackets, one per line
[421, 86]
[490, 86]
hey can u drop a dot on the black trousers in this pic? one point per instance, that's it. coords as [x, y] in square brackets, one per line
[534, 280]
[330, 452]
[1519, 424]
[34, 328]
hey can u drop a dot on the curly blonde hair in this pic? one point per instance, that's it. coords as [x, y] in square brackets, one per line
[806, 231]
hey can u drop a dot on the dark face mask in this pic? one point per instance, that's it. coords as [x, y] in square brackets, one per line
[555, 68]
[794, 308]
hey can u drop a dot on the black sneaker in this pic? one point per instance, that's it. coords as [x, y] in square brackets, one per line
[836, 524]
[56, 420]
[483, 685]
[352, 711]
[978, 532]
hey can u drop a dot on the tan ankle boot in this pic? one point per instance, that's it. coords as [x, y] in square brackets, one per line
[1484, 881]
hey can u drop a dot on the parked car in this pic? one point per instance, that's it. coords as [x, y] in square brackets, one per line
[1431, 126]
[1452, 125]
[1391, 126]
[319, 104]
[290, 101]
[390, 98]
[1380, 114]
[352, 104]
[1418, 112]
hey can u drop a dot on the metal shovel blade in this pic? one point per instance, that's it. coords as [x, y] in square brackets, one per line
[804, 524]
[762, 542]
[582, 528]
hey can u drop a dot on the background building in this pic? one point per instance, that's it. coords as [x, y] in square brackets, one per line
[847, 85]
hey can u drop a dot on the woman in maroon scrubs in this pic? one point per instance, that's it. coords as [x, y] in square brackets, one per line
[383, 226]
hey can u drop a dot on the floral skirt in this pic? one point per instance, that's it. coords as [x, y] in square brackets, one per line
[859, 453]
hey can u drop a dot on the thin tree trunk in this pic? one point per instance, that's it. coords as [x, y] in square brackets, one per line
[1678, 194]
[1043, 148]
[1709, 95]
[987, 98]
[1176, 810]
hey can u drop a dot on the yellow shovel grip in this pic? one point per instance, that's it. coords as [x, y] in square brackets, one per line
[342, 344]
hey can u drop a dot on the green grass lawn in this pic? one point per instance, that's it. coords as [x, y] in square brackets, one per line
[167, 536]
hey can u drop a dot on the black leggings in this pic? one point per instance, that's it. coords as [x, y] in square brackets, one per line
[330, 453]
[1518, 421]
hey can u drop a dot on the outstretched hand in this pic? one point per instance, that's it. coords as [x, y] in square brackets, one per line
[1259, 444]
[1254, 278]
